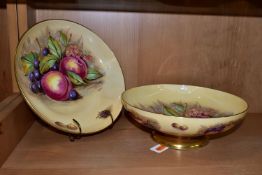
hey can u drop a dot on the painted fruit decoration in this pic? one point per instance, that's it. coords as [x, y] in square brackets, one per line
[56, 85]
[180, 109]
[73, 64]
[59, 68]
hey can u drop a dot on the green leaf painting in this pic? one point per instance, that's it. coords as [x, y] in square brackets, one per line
[75, 79]
[63, 39]
[46, 63]
[54, 47]
[28, 62]
[169, 111]
[93, 74]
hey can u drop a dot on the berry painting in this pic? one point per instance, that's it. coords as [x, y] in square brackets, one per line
[60, 67]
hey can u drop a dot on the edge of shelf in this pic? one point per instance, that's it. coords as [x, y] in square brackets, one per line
[14, 113]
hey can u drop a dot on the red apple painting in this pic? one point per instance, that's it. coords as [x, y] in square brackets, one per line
[75, 65]
[56, 85]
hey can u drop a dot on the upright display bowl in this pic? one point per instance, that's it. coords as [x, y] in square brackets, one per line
[69, 76]
[183, 116]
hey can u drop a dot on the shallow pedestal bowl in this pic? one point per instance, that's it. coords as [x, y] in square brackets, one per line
[182, 116]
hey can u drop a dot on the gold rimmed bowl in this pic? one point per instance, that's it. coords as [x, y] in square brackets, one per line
[182, 116]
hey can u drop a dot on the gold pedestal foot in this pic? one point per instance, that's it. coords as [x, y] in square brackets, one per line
[179, 143]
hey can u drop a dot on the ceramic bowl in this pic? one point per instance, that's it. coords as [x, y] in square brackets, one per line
[184, 114]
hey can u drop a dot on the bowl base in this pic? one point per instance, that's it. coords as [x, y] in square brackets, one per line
[179, 143]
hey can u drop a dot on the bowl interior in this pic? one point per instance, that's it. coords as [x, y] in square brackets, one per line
[218, 100]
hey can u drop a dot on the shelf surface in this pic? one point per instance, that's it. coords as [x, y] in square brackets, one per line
[124, 149]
